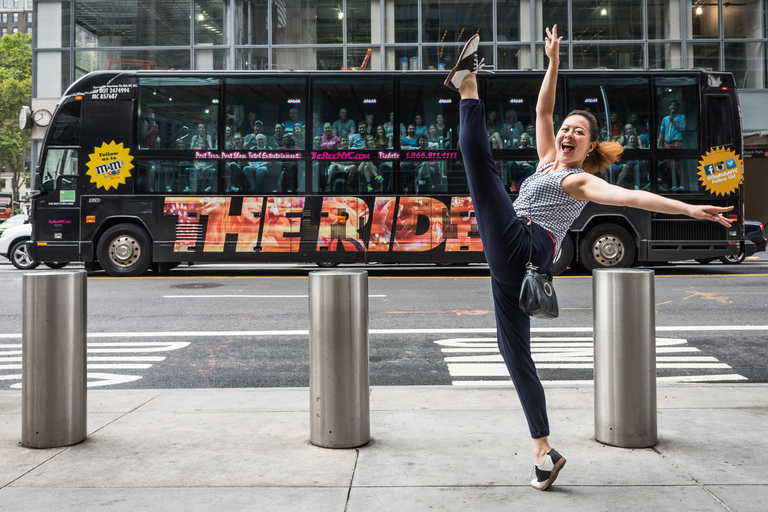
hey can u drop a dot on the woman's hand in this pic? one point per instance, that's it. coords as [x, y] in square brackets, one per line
[552, 44]
[713, 213]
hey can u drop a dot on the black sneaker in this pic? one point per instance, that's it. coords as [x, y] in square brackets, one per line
[543, 475]
[467, 64]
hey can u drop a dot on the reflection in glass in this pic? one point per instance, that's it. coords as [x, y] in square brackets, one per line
[704, 55]
[744, 19]
[664, 19]
[126, 59]
[251, 23]
[209, 22]
[704, 20]
[307, 58]
[555, 12]
[405, 20]
[359, 16]
[747, 63]
[211, 59]
[664, 56]
[457, 21]
[678, 175]
[400, 58]
[131, 23]
[612, 56]
[514, 57]
[251, 59]
[307, 22]
[608, 19]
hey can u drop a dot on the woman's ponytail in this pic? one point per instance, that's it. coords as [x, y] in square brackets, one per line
[604, 154]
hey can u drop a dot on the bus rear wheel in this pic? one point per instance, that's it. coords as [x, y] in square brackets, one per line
[607, 246]
[124, 250]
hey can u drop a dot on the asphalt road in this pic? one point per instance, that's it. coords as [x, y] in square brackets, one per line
[246, 326]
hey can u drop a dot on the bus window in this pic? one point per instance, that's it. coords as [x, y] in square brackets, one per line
[65, 130]
[677, 107]
[678, 175]
[346, 106]
[511, 111]
[620, 104]
[719, 121]
[178, 113]
[424, 103]
[60, 171]
[256, 106]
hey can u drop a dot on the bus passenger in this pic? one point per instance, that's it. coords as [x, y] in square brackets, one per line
[250, 139]
[276, 140]
[227, 137]
[344, 125]
[341, 175]
[293, 120]
[317, 125]
[553, 197]
[409, 140]
[329, 140]
[368, 169]
[671, 136]
[201, 140]
[298, 135]
[383, 141]
[357, 139]
[425, 170]
[389, 126]
[150, 132]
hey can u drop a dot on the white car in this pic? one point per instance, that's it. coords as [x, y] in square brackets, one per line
[12, 247]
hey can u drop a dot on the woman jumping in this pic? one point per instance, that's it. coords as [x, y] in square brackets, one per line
[552, 198]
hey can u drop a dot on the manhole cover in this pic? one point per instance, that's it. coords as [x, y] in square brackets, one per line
[196, 286]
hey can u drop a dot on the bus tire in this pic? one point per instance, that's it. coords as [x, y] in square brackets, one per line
[20, 257]
[55, 265]
[607, 246]
[124, 250]
[563, 257]
[327, 264]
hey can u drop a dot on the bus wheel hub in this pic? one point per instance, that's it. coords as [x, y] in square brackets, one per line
[608, 250]
[124, 250]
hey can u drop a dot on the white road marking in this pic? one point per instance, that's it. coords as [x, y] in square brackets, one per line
[11, 353]
[480, 357]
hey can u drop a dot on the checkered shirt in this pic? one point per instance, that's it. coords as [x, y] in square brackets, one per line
[543, 200]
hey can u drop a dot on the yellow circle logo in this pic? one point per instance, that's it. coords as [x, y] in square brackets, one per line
[721, 171]
[109, 165]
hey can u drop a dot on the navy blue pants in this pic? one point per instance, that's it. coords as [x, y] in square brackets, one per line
[506, 242]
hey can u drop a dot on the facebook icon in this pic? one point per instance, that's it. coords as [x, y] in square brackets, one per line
[709, 169]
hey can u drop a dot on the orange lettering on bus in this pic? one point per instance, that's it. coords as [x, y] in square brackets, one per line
[340, 224]
[281, 231]
[381, 224]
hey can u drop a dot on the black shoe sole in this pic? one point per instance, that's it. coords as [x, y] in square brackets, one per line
[447, 82]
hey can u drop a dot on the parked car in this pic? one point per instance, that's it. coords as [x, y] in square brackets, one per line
[12, 246]
[753, 234]
[15, 220]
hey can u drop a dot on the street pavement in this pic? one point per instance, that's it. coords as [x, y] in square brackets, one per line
[432, 448]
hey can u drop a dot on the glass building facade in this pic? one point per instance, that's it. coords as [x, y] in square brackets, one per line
[74, 37]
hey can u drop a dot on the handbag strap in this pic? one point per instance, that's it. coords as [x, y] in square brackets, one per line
[530, 264]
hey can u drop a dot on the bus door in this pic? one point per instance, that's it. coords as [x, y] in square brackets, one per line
[56, 207]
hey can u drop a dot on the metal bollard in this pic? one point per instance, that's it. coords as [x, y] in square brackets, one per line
[53, 359]
[625, 357]
[338, 359]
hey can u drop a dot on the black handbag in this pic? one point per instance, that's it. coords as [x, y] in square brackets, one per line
[537, 294]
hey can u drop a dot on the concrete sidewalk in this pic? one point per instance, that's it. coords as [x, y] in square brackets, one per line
[433, 448]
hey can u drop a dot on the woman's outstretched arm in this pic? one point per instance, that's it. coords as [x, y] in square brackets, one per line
[545, 107]
[588, 187]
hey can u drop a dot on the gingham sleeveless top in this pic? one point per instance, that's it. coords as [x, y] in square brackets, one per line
[543, 200]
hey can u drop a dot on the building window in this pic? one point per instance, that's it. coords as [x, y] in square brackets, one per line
[15, 3]
[15, 17]
[5, 31]
[29, 17]
[29, 4]
[121, 23]
[209, 23]
[15, 30]
[5, 17]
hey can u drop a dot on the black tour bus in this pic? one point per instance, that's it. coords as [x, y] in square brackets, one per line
[147, 169]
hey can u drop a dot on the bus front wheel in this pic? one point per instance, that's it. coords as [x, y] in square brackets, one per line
[124, 250]
[607, 246]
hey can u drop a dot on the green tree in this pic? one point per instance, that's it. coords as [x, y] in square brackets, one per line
[15, 91]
